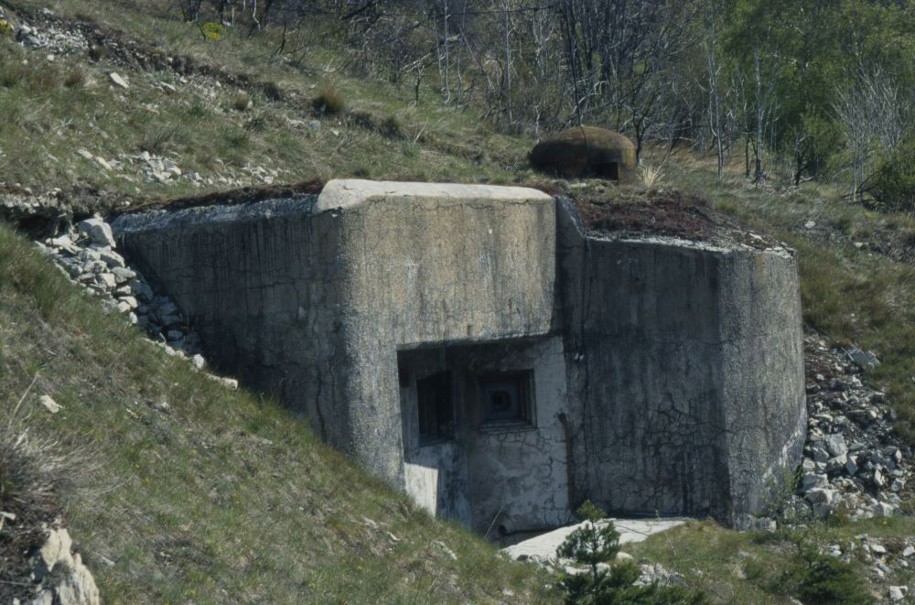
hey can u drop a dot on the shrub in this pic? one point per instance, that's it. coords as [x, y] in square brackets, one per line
[212, 32]
[390, 127]
[158, 138]
[257, 124]
[272, 91]
[819, 579]
[328, 101]
[893, 184]
[11, 74]
[242, 101]
[31, 473]
[75, 78]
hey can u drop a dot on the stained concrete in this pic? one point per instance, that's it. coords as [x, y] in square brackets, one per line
[666, 376]
[687, 363]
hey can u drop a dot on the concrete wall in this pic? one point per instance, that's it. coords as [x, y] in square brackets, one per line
[518, 476]
[686, 365]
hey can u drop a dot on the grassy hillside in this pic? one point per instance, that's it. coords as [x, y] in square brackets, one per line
[226, 113]
[179, 490]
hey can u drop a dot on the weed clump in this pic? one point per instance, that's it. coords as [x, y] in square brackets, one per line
[272, 91]
[75, 78]
[328, 101]
[212, 32]
[31, 471]
[242, 101]
[893, 186]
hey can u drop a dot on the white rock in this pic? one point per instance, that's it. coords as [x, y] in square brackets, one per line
[57, 548]
[123, 274]
[884, 509]
[112, 258]
[71, 583]
[130, 301]
[98, 231]
[448, 552]
[836, 445]
[879, 479]
[198, 361]
[106, 280]
[89, 255]
[49, 404]
[908, 551]
[850, 467]
[229, 383]
[896, 593]
[119, 81]
[877, 549]
[812, 480]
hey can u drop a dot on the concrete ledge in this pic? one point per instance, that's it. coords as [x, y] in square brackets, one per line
[346, 193]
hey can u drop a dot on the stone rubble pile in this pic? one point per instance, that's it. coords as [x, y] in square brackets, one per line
[31, 212]
[853, 462]
[87, 256]
[56, 40]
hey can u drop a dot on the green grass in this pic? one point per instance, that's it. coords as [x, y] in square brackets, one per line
[186, 491]
[760, 567]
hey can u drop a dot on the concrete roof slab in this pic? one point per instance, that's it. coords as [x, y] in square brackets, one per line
[347, 193]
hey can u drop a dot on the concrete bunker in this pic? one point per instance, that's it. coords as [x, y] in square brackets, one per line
[484, 351]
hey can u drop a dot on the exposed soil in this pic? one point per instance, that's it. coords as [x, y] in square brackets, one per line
[636, 214]
[245, 195]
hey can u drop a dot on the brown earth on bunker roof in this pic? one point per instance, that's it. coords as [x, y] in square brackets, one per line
[639, 214]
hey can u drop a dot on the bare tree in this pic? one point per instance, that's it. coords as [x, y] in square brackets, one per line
[872, 119]
[619, 54]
